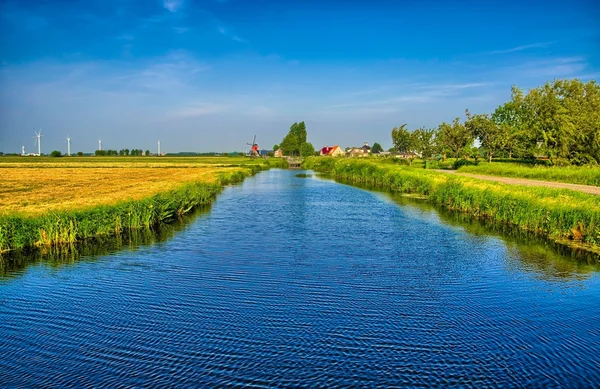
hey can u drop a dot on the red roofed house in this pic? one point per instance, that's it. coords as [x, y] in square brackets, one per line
[334, 151]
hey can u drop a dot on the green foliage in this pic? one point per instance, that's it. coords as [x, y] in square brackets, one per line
[295, 138]
[401, 139]
[307, 149]
[376, 149]
[275, 147]
[56, 153]
[80, 153]
[423, 142]
[455, 138]
[463, 162]
[493, 137]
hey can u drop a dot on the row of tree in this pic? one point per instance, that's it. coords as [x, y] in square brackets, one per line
[122, 152]
[559, 120]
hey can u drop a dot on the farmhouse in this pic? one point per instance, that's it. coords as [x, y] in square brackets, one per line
[334, 151]
[278, 153]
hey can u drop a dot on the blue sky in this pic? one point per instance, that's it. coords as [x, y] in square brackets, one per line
[208, 75]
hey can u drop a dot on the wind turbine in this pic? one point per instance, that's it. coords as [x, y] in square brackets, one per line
[159, 148]
[38, 140]
[100, 144]
[22, 150]
[68, 145]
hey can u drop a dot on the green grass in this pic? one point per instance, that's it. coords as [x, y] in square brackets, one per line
[67, 227]
[559, 214]
[586, 175]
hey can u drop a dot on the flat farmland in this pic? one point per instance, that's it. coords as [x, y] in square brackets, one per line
[32, 186]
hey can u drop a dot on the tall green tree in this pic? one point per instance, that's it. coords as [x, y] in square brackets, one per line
[401, 139]
[510, 117]
[491, 136]
[295, 138]
[455, 137]
[423, 142]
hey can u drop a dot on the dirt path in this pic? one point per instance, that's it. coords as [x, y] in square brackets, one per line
[595, 190]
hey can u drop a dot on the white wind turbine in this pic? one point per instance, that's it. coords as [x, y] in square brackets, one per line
[100, 144]
[159, 148]
[38, 140]
[68, 145]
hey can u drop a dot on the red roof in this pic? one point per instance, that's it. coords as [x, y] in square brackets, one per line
[327, 150]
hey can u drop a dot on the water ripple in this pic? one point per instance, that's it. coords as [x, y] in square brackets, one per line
[293, 282]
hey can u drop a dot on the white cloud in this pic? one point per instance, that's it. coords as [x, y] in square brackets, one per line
[172, 5]
[197, 109]
[522, 48]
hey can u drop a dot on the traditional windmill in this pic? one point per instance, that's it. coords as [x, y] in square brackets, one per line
[254, 150]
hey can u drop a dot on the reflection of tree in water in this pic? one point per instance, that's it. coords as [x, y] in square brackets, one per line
[526, 251]
[14, 263]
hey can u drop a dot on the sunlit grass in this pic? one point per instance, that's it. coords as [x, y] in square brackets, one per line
[43, 202]
[585, 175]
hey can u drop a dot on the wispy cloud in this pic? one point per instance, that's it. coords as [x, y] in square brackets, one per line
[197, 109]
[556, 67]
[172, 5]
[522, 48]
[229, 33]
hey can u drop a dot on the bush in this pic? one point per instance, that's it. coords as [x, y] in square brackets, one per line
[464, 162]
[56, 153]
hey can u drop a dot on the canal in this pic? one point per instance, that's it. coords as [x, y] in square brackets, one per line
[300, 281]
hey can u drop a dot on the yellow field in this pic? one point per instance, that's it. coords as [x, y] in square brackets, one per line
[32, 186]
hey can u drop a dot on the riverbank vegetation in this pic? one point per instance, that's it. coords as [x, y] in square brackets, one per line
[562, 215]
[43, 203]
[559, 121]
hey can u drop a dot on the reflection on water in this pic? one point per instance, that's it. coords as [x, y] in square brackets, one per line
[14, 263]
[528, 251]
[297, 281]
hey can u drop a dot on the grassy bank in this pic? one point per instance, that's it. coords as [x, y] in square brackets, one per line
[585, 175]
[60, 225]
[562, 215]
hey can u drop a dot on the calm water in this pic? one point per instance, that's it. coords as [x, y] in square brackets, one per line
[291, 282]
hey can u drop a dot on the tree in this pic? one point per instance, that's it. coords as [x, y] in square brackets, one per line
[295, 138]
[454, 137]
[147, 153]
[80, 153]
[56, 153]
[423, 142]
[307, 149]
[275, 147]
[493, 137]
[510, 117]
[401, 139]
[376, 149]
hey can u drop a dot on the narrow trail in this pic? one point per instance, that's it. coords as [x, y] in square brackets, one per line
[595, 190]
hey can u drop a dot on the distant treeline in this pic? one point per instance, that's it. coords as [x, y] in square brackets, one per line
[559, 121]
[122, 152]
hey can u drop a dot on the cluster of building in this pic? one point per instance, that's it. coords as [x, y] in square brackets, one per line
[363, 151]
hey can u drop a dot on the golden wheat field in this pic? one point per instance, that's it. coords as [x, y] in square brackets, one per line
[32, 187]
